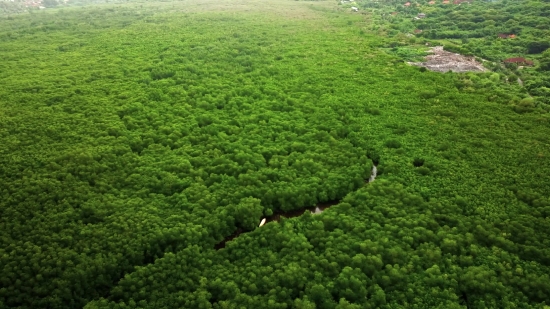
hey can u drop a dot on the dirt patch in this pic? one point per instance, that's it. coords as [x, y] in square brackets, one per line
[444, 61]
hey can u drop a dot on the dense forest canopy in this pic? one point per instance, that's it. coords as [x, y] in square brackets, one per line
[137, 136]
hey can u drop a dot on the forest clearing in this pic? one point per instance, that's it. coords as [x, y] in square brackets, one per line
[444, 61]
[143, 143]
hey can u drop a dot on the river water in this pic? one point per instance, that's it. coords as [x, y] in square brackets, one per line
[315, 210]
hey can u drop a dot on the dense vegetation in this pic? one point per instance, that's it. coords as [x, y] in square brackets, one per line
[491, 30]
[136, 137]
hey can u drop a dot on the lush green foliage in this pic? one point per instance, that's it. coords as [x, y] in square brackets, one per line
[136, 137]
[474, 29]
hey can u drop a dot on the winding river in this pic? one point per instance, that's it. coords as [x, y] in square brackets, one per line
[315, 210]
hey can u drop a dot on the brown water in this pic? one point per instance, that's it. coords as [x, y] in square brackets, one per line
[315, 210]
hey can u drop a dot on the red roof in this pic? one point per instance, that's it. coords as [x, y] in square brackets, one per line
[519, 60]
[407, 4]
[506, 36]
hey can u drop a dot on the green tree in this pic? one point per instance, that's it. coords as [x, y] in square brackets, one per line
[248, 213]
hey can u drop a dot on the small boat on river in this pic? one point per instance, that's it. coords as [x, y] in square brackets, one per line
[263, 222]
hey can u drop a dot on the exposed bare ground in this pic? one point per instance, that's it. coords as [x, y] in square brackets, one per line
[443, 61]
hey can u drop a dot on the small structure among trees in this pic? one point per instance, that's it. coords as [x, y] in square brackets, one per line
[519, 61]
[506, 36]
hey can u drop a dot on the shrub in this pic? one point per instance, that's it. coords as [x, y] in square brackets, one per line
[423, 170]
[392, 143]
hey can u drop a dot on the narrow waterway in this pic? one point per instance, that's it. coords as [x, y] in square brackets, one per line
[315, 210]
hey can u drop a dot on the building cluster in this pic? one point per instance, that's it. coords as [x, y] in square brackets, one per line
[457, 2]
[38, 4]
[34, 4]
